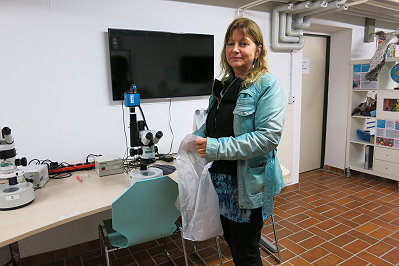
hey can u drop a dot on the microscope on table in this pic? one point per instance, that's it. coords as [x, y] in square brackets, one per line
[142, 140]
[15, 190]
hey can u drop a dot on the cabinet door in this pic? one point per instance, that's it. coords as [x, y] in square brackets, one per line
[386, 105]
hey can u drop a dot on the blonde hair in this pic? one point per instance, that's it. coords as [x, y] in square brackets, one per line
[249, 29]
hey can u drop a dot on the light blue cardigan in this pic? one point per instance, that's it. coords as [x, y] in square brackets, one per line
[258, 124]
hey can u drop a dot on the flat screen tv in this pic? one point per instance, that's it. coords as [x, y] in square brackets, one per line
[161, 64]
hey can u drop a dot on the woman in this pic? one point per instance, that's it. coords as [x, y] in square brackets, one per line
[241, 133]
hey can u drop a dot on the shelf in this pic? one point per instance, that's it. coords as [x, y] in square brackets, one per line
[359, 152]
[367, 61]
[392, 59]
[363, 116]
[362, 142]
[361, 169]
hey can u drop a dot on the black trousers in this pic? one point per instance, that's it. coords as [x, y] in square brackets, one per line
[243, 239]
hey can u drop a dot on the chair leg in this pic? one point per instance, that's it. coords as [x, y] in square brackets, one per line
[219, 250]
[102, 245]
[270, 247]
[107, 256]
[167, 253]
[198, 255]
[184, 247]
[275, 235]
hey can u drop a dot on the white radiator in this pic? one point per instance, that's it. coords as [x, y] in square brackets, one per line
[284, 149]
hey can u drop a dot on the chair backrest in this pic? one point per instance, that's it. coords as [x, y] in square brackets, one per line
[146, 211]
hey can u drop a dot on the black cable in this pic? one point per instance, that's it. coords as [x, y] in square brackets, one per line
[170, 126]
[142, 114]
[60, 175]
[34, 160]
[92, 155]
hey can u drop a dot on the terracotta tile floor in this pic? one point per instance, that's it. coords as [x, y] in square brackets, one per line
[327, 220]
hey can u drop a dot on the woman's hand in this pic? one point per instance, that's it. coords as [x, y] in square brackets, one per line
[200, 145]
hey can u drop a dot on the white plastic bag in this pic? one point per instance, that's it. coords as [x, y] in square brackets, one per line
[197, 201]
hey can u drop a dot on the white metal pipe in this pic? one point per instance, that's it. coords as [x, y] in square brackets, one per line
[289, 31]
[376, 16]
[312, 6]
[325, 12]
[301, 23]
[379, 10]
[356, 3]
[241, 9]
[395, 2]
[283, 37]
[286, 33]
[291, 98]
[383, 6]
[305, 22]
[276, 45]
[331, 5]
[297, 9]
[356, 13]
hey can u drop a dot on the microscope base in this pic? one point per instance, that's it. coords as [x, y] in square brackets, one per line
[16, 196]
[151, 172]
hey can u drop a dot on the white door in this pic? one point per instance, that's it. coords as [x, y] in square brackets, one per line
[313, 86]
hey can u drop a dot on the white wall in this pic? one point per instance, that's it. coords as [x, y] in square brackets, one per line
[55, 72]
[55, 82]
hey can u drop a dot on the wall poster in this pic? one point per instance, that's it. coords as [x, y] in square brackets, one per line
[387, 133]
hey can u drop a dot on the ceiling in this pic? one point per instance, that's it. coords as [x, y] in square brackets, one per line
[380, 10]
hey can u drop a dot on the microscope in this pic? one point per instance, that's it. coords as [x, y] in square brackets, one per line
[15, 190]
[142, 140]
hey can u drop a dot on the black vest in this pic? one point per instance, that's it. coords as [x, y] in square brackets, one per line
[219, 122]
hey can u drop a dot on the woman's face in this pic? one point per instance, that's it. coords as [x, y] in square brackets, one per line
[241, 51]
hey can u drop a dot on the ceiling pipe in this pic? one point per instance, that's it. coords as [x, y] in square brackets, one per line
[283, 37]
[384, 12]
[312, 6]
[308, 19]
[302, 20]
[325, 12]
[330, 5]
[308, 5]
[383, 5]
[360, 13]
[286, 34]
[356, 3]
[276, 44]
[289, 30]
[241, 9]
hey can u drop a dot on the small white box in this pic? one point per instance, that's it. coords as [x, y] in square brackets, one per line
[37, 172]
[108, 165]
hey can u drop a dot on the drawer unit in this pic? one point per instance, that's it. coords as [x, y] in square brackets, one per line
[388, 168]
[385, 154]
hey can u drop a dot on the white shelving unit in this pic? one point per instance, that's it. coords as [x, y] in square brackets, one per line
[385, 154]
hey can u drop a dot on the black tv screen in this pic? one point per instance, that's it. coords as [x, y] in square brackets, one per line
[161, 64]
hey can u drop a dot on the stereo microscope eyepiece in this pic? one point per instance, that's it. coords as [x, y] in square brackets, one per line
[6, 132]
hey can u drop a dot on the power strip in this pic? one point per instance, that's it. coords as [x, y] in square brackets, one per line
[72, 168]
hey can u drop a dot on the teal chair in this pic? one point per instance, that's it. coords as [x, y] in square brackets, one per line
[145, 211]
